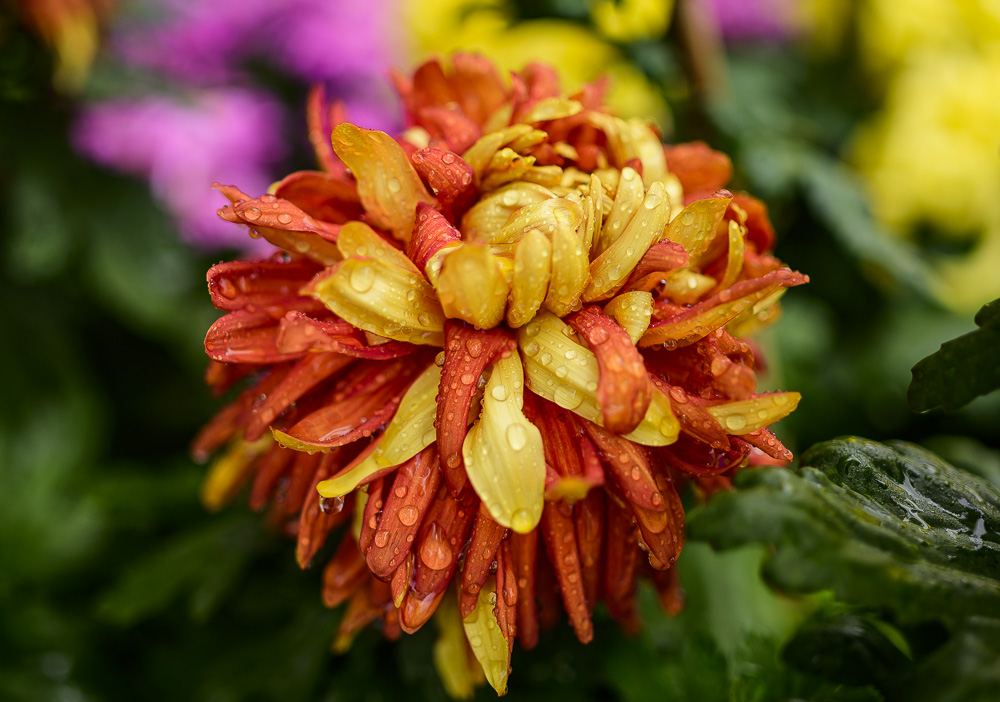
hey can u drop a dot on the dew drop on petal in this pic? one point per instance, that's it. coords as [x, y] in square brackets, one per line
[382, 538]
[407, 515]
[393, 185]
[532, 348]
[522, 522]
[517, 437]
[284, 218]
[251, 213]
[362, 279]
[499, 393]
[736, 422]
[568, 397]
[435, 551]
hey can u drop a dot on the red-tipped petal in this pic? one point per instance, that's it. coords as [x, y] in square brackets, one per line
[621, 564]
[623, 387]
[442, 535]
[344, 574]
[560, 540]
[523, 552]
[315, 520]
[479, 558]
[431, 232]
[237, 284]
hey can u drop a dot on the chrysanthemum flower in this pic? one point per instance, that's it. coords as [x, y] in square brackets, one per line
[492, 349]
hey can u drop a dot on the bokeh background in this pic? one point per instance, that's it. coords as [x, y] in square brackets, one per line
[871, 128]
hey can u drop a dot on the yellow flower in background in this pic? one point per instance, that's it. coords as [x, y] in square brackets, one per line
[931, 157]
[579, 54]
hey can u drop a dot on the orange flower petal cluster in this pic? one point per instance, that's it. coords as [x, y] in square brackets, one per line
[492, 349]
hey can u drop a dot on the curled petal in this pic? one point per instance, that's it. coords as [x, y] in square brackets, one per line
[629, 465]
[467, 353]
[388, 186]
[324, 196]
[694, 417]
[246, 336]
[546, 215]
[566, 373]
[685, 286]
[734, 259]
[717, 311]
[472, 286]
[298, 333]
[322, 117]
[523, 552]
[381, 298]
[628, 197]
[503, 451]
[237, 284]
[530, 283]
[410, 431]
[746, 416]
[767, 442]
[431, 233]
[229, 472]
[344, 574]
[449, 176]
[316, 521]
[416, 610]
[570, 264]
[412, 490]
[695, 227]
[624, 390]
[486, 218]
[632, 311]
[480, 155]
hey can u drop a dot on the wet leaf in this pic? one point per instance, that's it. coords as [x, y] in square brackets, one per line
[889, 526]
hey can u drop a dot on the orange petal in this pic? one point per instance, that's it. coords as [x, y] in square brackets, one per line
[414, 487]
[344, 574]
[620, 566]
[442, 536]
[523, 551]
[624, 390]
[246, 336]
[588, 515]
[318, 517]
[699, 168]
[768, 443]
[479, 558]
[560, 540]
[697, 225]
[467, 353]
[449, 176]
[237, 284]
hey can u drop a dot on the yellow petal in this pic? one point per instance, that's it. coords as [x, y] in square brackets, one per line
[490, 214]
[486, 640]
[632, 310]
[570, 264]
[388, 186]
[552, 108]
[563, 371]
[524, 142]
[480, 154]
[532, 269]
[734, 261]
[612, 268]
[503, 452]
[507, 166]
[450, 654]
[549, 176]
[358, 240]
[685, 287]
[545, 216]
[633, 139]
[383, 299]
[358, 518]
[595, 214]
[759, 316]
[628, 197]
[228, 472]
[472, 286]
[695, 227]
[410, 431]
[745, 416]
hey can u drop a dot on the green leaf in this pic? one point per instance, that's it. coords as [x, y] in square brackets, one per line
[962, 369]
[966, 669]
[887, 526]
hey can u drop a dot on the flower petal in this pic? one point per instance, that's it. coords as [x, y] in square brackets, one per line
[443, 534]
[746, 416]
[472, 286]
[251, 336]
[237, 284]
[628, 197]
[588, 517]
[530, 284]
[717, 311]
[467, 353]
[611, 269]
[695, 227]
[632, 311]
[565, 372]
[486, 639]
[450, 651]
[570, 263]
[345, 572]
[413, 489]
[450, 177]
[431, 233]
[229, 472]
[503, 451]
[624, 390]
[560, 541]
[621, 566]
[480, 557]
[523, 557]
[358, 240]
[410, 431]
[315, 522]
[546, 216]
[734, 260]
[381, 298]
[488, 216]
[388, 186]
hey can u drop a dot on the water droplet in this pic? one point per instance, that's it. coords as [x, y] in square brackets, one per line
[448, 157]
[362, 279]
[400, 491]
[393, 185]
[532, 329]
[568, 397]
[468, 378]
[407, 515]
[736, 422]
[599, 335]
[677, 394]
[439, 359]
[382, 538]
[667, 427]
[411, 295]
[499, 393]
[435, 551]
[522, 522]
[636, 473]
[561, 372]
[284, 218]
[474, 347]
[251, 213]
[532, 348]
[545, 358]
[331, 505]
[517, 437]
[227, 289]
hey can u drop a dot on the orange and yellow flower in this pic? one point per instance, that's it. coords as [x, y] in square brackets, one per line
[492, 348]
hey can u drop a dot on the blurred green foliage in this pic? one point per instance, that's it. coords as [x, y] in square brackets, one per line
[116, 585]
